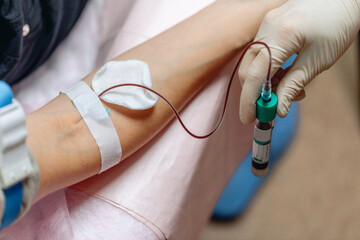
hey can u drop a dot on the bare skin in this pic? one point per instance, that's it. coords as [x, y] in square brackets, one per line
[181, 61]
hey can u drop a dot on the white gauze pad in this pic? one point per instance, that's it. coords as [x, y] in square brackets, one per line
[120, 72]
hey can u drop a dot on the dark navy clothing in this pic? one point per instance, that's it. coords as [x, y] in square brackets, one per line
[49, 23]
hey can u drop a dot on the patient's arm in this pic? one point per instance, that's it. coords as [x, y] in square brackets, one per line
[181, 61]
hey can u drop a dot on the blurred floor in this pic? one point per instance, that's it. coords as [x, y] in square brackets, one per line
[314, 192]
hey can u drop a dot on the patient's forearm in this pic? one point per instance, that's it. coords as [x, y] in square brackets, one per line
[180, 60]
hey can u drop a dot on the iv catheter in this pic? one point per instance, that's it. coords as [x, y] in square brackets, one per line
[265, 114]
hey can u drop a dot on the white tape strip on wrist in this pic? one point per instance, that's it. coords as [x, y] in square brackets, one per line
[99, 123]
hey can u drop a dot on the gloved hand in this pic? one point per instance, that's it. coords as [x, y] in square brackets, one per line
[319, 31]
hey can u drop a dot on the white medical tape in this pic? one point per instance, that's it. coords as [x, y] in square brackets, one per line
[99, 123]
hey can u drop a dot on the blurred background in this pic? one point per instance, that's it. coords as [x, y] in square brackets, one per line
[314, 191]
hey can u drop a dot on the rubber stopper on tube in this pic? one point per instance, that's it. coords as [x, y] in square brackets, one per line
[266, 111]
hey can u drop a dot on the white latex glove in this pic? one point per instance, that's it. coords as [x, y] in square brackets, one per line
[320, 31]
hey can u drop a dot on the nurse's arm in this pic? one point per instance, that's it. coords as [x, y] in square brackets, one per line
[181, 61]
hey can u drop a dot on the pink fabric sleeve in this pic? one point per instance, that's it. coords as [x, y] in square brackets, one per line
[167, 189]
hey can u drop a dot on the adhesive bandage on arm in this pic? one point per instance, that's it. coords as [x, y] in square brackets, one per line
[99, 123]
[93, 112]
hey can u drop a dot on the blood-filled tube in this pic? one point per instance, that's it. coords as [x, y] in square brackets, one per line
[264, 123]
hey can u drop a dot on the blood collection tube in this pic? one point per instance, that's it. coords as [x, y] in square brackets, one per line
[264, 123]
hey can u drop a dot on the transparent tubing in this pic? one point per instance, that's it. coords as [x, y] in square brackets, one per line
[266, 86]
[266, 91]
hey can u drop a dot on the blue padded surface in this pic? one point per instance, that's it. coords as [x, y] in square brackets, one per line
[13, 199]
[243, 185]
[6, 94]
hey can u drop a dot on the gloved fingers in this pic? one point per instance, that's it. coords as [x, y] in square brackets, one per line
[283, 43]
[291, 87]
[246, 62]
[256, 73]
[281, 34]
[300, 96]
[277, 78]
[251, 89]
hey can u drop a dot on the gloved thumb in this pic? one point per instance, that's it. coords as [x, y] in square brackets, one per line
[291, 87]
